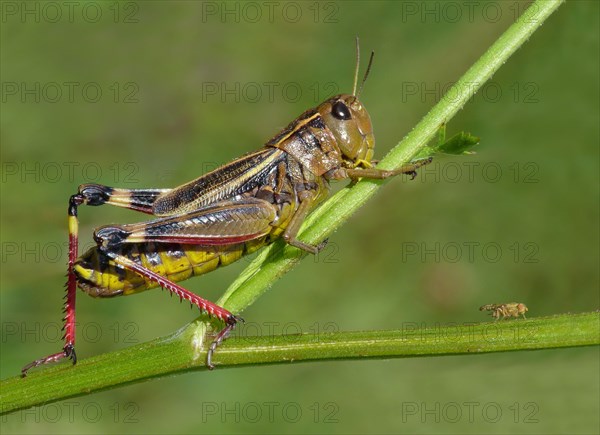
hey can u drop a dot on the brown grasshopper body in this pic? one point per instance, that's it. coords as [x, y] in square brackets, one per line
[220, 216]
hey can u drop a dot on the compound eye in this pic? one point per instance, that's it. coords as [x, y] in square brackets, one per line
[340, 111]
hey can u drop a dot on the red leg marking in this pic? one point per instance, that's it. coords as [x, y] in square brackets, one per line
[205, 305]
[69, 308]
[206, 241]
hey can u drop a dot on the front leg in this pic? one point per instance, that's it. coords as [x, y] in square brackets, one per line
[307, 200]
[374, 173]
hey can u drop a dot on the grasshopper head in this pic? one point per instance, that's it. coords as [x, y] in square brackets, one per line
[350, 124]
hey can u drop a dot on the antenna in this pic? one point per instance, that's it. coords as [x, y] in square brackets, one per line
[358, 67]
[366, 73]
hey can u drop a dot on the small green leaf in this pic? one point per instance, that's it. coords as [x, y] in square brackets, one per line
[458, 144]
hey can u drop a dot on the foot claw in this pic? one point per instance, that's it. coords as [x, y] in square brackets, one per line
[67, 352]
[322, 245]
[231, 321]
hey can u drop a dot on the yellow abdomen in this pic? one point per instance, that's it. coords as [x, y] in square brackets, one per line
[98, 276]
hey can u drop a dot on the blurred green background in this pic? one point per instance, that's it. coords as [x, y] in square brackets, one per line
[152, 94]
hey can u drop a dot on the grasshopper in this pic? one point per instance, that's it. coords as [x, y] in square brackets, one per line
[223, 215]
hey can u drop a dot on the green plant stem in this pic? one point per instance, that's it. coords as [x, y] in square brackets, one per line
[185, 350]
[172, 355]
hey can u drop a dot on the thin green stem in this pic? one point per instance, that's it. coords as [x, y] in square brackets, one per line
[174, 355]
[186, 349]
